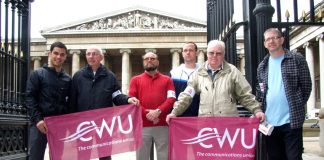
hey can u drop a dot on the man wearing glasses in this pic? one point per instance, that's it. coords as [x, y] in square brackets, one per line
[94, 86]
[156, 94]
[284, 85]
[220, 85]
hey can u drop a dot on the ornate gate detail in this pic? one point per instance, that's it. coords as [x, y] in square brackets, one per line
[14, 60]
[257, 17]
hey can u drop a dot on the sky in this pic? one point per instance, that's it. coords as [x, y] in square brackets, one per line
[51, 13]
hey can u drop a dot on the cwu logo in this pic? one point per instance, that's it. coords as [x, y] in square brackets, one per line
[90, 126]
[205, 134]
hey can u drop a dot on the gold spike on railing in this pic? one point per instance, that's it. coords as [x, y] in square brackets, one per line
[303, 15]
[287, 15]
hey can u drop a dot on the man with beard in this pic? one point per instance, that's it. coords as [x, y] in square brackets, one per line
[156, 94]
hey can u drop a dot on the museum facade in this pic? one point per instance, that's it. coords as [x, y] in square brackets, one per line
[127, 34]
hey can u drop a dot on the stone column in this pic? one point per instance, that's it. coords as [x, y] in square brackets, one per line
[175, 57]
[37, 62]
[242, 63]
[48, 57]
[201, 56]
[125, 69]
[103, 62]
[75, 60]
[321, 112]
[310, 60]
[320, 39]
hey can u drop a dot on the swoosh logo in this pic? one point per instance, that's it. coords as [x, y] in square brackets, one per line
[79, 134]
[201, 138]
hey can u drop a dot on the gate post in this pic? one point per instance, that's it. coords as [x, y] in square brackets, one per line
[263, 12]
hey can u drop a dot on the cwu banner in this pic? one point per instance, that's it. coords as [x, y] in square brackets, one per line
[94, 133]
[218, 138]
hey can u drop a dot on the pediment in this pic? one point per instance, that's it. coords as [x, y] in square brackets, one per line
[134, 18]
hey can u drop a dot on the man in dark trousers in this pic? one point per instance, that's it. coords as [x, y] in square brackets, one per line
[48, 90]
[94, 86]
[284, 85]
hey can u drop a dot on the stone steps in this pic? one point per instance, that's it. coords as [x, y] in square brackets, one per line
[308, 130]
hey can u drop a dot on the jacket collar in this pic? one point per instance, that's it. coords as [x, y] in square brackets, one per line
[101, 72]
[224, 69]
[287, 55]
[52, 69]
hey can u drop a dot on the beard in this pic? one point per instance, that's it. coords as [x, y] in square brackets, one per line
[150, 68]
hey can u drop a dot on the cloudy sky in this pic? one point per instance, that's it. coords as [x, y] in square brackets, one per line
[51, 13]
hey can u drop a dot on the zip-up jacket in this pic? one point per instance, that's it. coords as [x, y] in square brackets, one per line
[47, 93]
[218, 97]
[91, 91]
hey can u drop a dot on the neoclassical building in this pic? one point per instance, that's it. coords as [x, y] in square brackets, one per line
[124, 36]
[127, 34]
[310, 42]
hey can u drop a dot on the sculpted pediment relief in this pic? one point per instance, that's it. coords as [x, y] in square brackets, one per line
[136, 20]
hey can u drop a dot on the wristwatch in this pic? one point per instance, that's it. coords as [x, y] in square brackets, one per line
[158, 110]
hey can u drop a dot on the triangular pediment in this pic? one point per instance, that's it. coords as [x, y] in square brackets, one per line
[131, 19]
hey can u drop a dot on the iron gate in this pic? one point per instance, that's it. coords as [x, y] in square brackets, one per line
[257, 17]
[14, 60]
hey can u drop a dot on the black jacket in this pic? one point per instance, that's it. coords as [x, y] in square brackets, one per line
[91, 91]
[47, 93]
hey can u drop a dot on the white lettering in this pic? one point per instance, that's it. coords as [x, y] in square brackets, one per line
[121, 129]
[79, 130]
[200, 134]
[243, 139]
[88, 126]
[104, 125]
[227, 136]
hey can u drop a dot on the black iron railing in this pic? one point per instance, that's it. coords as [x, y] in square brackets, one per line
[14, 62]
[257, 17]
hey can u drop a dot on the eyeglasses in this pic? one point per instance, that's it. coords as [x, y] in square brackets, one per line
[92, 54]
[215, 53]
[272, 38]
[149, 59]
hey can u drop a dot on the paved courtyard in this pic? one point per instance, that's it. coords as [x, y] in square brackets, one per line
[311, 145]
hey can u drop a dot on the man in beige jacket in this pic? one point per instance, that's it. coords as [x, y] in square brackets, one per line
[220, 85]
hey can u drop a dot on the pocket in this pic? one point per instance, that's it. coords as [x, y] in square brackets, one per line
[107, 93]
[228, 108]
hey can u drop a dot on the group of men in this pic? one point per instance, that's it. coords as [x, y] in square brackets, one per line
[212, 89]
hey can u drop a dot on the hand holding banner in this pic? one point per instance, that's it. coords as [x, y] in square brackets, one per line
[94, 133]
[221, 138]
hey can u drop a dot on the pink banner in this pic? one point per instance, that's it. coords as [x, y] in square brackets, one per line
[221, 138]
[94, 133]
